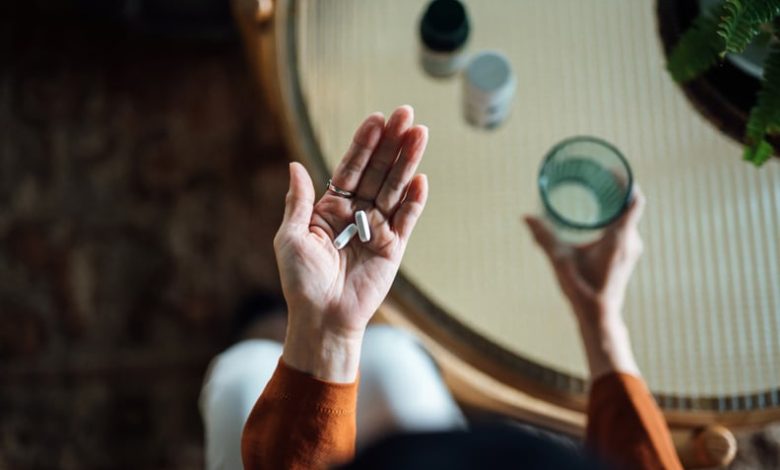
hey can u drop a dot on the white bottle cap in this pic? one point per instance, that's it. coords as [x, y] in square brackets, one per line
[489, 86]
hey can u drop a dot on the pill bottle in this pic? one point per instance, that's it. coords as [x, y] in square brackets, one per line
[488, 89]
[444, 31]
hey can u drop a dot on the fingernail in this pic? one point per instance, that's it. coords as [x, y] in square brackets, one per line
[409, 116]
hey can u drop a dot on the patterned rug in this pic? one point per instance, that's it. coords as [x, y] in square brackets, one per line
[140, 188]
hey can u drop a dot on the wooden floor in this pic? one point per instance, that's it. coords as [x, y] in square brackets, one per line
[139, 193]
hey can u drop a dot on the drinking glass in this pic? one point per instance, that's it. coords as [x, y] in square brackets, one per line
[585, 184]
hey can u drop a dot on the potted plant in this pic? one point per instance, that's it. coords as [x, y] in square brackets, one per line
[729, 27]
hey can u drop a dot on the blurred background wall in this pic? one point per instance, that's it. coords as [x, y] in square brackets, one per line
[140, 187]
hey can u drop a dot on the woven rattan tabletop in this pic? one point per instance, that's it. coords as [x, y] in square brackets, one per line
[704, 306]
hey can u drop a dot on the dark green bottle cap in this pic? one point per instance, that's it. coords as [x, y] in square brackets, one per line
[444, 26]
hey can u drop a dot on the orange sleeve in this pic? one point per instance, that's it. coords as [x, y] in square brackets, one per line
[626, 428]
[300, 422]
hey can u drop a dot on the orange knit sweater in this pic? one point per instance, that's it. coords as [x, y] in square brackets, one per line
[300, 422]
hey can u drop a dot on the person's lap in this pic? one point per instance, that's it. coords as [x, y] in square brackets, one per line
[400, 389]
[232, 385]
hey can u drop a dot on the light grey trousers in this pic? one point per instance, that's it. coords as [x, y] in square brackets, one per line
[400, 390]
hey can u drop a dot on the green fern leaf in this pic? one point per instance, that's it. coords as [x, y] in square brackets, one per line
[698, 48]
[741, 21]
[759, 154]
[765, 116]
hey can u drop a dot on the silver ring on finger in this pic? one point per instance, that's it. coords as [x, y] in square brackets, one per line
[338, 191]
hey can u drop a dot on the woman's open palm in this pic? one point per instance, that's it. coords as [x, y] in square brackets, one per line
[340, 290]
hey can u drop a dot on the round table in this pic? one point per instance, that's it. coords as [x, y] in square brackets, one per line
[703, 307]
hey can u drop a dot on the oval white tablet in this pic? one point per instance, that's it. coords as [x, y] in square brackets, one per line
[345, 236]
[364, 231]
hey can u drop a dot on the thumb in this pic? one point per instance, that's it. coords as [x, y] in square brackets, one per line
[572, 284]
[299, 201]
[543, 236]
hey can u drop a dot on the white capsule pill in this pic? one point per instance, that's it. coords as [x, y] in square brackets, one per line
[364, 231]
[345, 236]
